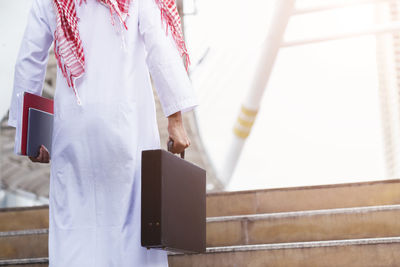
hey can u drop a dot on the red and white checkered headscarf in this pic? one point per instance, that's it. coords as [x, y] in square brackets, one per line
[68, 45]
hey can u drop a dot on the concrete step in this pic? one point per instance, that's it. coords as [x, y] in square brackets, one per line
[251, 202]
[304, 198]
[24, 244]
[12, 219]
[31, 262]
[356, 253]
[374, 252]
[302, 226]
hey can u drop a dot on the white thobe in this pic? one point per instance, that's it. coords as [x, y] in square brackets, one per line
[95, 181]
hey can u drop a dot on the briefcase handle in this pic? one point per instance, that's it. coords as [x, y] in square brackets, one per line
[171, 144]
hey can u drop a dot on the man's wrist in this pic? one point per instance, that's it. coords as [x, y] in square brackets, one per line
[175, 118]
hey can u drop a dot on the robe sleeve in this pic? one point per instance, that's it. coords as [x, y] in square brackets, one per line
[30, 67]
[166, 67]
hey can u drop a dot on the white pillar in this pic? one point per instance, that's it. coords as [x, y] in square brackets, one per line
[388, 59]
[251, 104]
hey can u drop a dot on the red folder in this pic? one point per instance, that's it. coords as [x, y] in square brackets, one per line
[37, 102]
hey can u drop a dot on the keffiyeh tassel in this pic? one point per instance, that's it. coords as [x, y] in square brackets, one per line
[170, 15]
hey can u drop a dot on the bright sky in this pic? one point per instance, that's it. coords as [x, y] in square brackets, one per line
[13, 17]
[319, 121]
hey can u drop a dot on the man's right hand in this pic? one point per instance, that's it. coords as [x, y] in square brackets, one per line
[177, 133]
[43, 157]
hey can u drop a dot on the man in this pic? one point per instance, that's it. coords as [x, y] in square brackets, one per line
[104, 116]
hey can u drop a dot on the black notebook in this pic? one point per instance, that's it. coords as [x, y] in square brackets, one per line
[40, 131]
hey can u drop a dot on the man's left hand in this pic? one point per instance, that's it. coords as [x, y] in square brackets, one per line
[43, 155]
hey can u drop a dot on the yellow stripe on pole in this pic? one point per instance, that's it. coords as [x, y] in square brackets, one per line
[249, 112]
[244, 122]
[241, 133]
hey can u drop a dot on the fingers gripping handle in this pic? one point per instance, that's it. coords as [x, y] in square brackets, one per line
[171, 145]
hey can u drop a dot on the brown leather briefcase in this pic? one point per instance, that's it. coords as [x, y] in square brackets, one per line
[173, 203]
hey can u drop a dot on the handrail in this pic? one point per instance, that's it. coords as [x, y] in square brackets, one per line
[377, 29]
[335, 5]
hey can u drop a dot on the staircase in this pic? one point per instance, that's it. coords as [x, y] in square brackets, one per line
[355, 224]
